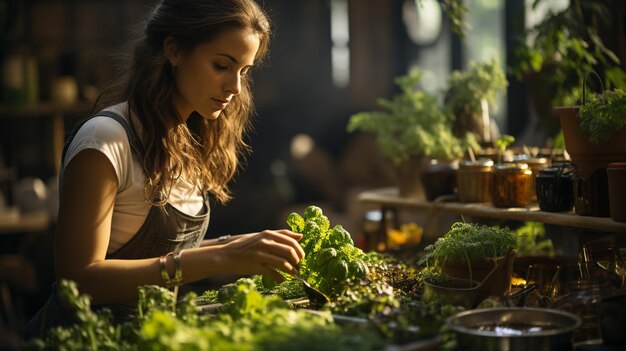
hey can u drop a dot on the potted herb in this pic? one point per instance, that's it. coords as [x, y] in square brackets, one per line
[413, 129]
[595, 133]
[469, 96]
[471, 251]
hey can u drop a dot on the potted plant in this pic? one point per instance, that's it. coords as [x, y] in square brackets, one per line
[471, 251]
[470, 94]
[594, 133]
[413, 129]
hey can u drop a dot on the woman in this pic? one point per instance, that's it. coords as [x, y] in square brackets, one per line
[136, 177]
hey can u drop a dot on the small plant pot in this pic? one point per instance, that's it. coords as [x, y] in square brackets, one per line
[498, 284]
[452, 291]
[616, 175]
[409, 182]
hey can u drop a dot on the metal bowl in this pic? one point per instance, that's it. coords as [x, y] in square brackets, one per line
[514, 329]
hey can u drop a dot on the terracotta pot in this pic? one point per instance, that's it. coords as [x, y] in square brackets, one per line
[409, 182]
[585, 154]
[499, 284]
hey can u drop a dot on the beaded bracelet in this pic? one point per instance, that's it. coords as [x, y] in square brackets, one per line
[178, 273]
[223, 239]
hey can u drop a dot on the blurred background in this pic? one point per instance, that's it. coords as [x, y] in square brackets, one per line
[329, 59]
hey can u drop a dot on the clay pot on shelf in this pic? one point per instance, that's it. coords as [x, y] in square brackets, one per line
[591, 193]
[616, 176]
[409, 182]
[588, 156]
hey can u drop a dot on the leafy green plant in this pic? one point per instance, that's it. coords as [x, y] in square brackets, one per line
[531, 240]
[414, 125]
[603, 114]
[330, 255]
[470, 241]
[466, 90]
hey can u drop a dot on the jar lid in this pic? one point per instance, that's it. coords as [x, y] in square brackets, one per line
[481, 162]
[617, 165]
[530, 160]
[549, 170]
[513, 166]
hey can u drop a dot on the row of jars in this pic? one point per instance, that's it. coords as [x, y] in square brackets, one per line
[556, 188]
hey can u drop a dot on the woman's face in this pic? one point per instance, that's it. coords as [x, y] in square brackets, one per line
[209, 76]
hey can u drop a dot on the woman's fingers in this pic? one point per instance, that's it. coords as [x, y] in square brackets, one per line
[274, 262]
[288, 238]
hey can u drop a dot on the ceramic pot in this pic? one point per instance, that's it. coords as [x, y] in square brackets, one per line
[588, 156]
[409, 182]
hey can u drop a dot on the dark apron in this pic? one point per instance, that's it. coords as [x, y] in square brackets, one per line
[166, 229]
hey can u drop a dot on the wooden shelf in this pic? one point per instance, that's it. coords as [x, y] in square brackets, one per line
[388, 197]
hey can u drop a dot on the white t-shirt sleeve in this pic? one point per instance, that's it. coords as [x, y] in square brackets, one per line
[109, 137]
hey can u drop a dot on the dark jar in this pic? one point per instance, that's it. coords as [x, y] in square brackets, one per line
[591, 194]
[439, 178]
[553, 186]
[474, 180]
[511, 185]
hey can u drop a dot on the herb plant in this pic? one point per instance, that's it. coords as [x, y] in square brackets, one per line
[603, 114]
[467, 89]
[470, 241]
[413, 125]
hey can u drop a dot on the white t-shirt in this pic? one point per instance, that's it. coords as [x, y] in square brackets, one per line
[130, 209]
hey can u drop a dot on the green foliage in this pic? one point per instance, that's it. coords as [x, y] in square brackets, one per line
[603, 114]
[481, 81]
[531, 242]
[502, 143]
[413, 125]
[559, 50]
[248, 321]
[455, 10]
[330, 255]
[470, 241]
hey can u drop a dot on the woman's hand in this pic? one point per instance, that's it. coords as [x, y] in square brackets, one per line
[264, 252]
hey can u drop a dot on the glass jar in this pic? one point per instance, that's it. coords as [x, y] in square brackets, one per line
[582, 300]
[553, 186]
[474, 180]
[604, 260]
[511, 185]
[534, 164]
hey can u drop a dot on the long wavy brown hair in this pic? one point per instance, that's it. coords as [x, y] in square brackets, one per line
[206, 152]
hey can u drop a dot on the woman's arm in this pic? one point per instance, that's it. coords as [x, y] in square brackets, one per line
[84, 228]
